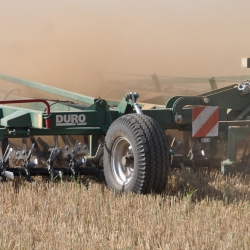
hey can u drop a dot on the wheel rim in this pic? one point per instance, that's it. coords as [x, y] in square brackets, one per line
[122, 151]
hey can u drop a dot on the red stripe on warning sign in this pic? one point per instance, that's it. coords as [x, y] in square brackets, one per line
[208, 125]
[197, 111]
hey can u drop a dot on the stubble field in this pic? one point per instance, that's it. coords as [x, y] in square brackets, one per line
[201, 210]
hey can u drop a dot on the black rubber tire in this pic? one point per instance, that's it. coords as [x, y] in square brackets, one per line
[151, 157]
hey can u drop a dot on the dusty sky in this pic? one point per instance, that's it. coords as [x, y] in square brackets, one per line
[71, 43]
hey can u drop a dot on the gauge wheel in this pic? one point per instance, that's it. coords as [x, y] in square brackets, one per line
[136, 157]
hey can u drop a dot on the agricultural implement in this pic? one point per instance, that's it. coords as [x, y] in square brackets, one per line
[126, 141]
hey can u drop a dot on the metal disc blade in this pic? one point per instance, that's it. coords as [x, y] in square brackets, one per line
[56, 144]
[8, 175]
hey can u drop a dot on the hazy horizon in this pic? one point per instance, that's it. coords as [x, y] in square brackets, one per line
[68, 43]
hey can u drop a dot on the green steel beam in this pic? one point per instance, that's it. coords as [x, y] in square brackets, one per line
[235, 135]
[64, 131]
[20, 117]
[42, 132]
[228, 97]
[49, 89]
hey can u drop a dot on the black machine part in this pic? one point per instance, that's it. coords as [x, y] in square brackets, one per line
[135, 155]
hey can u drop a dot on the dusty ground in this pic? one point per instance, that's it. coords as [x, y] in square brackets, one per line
[202, 210]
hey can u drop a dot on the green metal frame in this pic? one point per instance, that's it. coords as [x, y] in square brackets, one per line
[96, 115]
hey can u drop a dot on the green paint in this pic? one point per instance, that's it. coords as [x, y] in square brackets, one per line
[95, 117]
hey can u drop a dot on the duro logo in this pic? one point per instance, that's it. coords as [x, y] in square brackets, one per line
[70, 119]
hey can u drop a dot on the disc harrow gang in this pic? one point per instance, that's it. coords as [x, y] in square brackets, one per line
[4, 173]
[71, 158]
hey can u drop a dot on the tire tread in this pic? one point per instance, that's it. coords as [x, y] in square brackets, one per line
[152, 151]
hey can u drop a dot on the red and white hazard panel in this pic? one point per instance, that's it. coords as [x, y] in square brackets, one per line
[205, 121]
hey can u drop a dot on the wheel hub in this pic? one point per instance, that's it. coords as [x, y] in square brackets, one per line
[122, 160]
